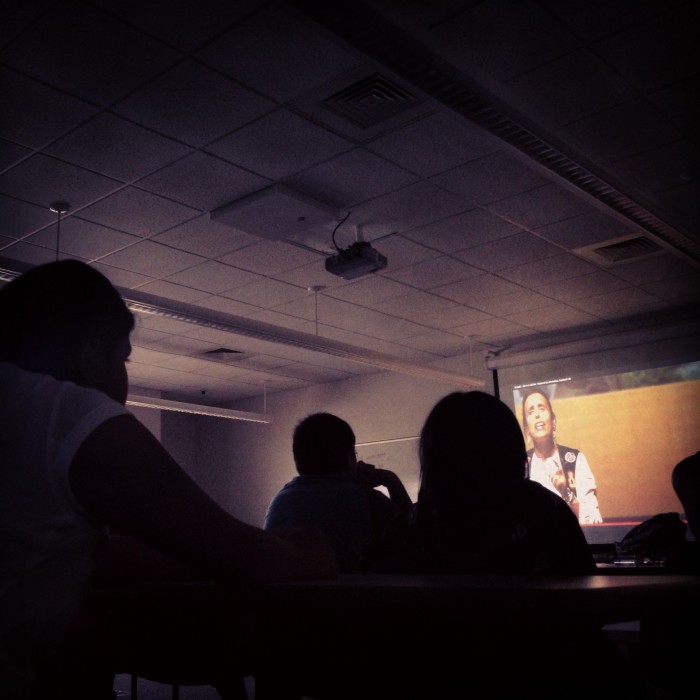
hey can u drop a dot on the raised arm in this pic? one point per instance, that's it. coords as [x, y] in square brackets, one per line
[122, 476]
[374, 477]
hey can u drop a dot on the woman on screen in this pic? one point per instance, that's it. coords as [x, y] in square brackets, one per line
[561, 469]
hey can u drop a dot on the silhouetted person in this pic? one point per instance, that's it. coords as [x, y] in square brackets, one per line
[671, 640]
[685, 480]
[335, 492]
[75, 462]
[476, 510]
[478, 513]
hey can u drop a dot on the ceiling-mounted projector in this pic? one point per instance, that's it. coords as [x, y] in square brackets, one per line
[358, 260]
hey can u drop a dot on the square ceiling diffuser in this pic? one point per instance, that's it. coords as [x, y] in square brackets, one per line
[276, 213]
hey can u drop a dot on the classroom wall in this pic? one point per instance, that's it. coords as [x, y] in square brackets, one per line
[242, 465]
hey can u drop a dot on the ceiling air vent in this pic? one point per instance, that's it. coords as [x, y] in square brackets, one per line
[225, 354]
[370, 101]
[621, 250]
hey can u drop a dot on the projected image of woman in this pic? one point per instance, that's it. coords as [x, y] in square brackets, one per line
[561, 469]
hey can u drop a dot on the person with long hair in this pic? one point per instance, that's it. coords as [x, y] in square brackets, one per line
[478, 513]
[476, 510]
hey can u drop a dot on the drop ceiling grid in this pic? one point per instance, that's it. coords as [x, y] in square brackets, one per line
[196, 118]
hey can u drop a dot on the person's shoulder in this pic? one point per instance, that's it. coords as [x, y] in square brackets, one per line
[527, 488]
[16, 378]
[533, 496]
[325, 484]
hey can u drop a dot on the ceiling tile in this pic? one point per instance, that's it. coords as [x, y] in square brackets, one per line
[603, 305]
[176, 292]
[284, 320]
[11, 153]
[406, 208]
[507, 252]
[681, 103]
[438, 342]
[681, 290]
[402, 252]
[658, 52]
[570, 88]
[540, 272]
[202, 181]
[585, 229]
[468, 229]
[28, 253]
[607, 136]
[369, 292]
[185, 25]
[213, 277]
[17, 218]
[82, 239]
[270, 258]
[144, 337]
[152, 259]
[48, 180]
[594, 21]
[457, 316]
[654, 268]
[668, 166]
[122, 278]
[492, 329]
[313, 274]
[368, 342]
[336, 181]
[53, 49]
[555, 317]
[145, 121]
[22, 15]
[266, 293]
[528, 36]
[506, 305]
[206, 237]
[582, 286]
[435, 272]
[227, 306]
[540, 207]
[437, 142]
[493, 177]
[138, 212]
[175, 103]
[278, 54]
[477, 287]
[117, 148]
[416, 305]
[279, 144]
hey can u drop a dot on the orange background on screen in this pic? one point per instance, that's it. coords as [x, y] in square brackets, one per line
[632, 440]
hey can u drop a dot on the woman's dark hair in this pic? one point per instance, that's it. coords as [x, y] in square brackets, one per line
[54, 307]
[321, 443]
[471, 442]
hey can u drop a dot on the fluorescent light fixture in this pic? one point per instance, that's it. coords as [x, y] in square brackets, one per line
[148, 304]
[142, 303]
[181, 407]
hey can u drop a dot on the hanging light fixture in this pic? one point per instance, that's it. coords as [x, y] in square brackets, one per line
[316, 289]
[59, 208]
